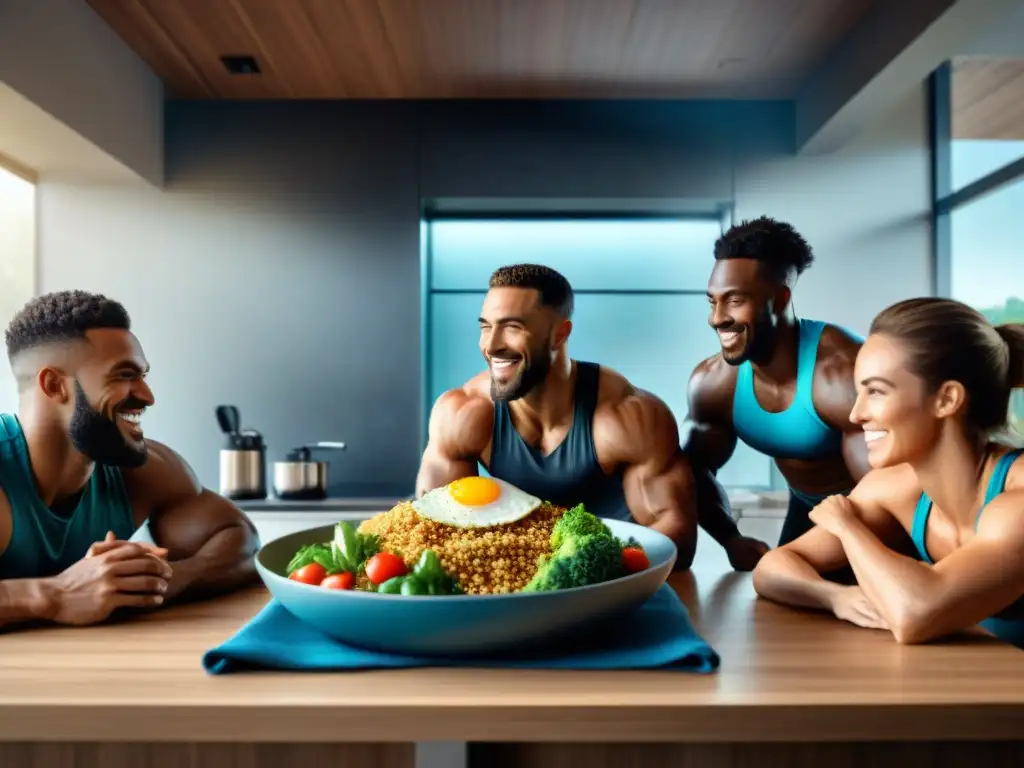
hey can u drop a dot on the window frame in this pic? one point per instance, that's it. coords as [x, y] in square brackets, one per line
[945, 199]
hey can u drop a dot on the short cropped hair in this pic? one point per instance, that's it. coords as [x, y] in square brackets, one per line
[62, 316]
[555, 291]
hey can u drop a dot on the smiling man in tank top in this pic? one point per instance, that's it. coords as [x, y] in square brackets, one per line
[78, 479]
[781, 384]
[567, 431]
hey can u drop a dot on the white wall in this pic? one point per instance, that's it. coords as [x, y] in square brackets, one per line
[17, 263]
[865, 211]
[65, 60]
[41, 144]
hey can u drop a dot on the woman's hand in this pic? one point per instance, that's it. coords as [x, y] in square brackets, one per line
[852, 605]
[833, 514]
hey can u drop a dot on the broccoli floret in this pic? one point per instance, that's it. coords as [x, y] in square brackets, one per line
[592, 559]
[552, 574]
[577, 523]
[583, 552]
[578, 562]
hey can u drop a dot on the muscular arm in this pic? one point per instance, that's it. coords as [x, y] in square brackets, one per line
[791, 574]
[922, 602]
[709, 445]
[24, 600]
[211, 544]
[640, 435]
[52, 597]
[21, 600]
[459, 430]
[835, 394]
[711, 439]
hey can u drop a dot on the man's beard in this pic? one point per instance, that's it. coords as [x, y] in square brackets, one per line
[760, 345]
[100, 438]
[528, 377]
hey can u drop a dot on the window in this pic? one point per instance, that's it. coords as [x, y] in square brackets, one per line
[979, 189]
[985, 263]
[17, 262]
[640, 303]
[986, 117]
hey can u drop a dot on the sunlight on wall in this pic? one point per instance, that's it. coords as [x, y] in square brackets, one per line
[17, 262]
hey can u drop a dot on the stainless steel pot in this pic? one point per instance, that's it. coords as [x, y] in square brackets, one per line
[301, 478]
[243, 459]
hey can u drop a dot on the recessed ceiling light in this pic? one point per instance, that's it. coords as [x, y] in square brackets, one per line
[240, 65]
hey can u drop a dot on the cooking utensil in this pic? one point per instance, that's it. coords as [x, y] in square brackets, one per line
[461, 625]
[298, 477]
[243, 459]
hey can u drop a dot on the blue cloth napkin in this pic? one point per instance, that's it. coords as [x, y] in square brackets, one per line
[658, 635]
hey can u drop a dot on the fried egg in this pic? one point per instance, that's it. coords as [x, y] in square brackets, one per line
[476, 502]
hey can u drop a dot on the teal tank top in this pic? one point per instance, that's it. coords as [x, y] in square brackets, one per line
[1008, 624]
[44, 543]
[571, 474]
[797, 432]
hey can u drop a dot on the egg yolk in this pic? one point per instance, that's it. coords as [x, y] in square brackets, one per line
[474, 491]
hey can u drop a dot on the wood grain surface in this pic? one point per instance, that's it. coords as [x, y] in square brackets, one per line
[181, 755]
[429, 49]
[786, 676]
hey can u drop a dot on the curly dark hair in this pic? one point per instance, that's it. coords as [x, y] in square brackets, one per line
[62, 316]
[779, 248]
[555, 291]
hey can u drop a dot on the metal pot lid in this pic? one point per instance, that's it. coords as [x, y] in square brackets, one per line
[304, 452]
[297, 463]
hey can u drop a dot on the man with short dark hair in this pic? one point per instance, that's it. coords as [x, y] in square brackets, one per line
[567, 431]
[78, 478]
[781, 384]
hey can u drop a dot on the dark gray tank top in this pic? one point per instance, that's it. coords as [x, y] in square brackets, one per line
[571, 474]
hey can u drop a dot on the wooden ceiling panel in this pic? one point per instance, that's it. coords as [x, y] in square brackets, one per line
[987, 98]
[143, 33]
[484, 48]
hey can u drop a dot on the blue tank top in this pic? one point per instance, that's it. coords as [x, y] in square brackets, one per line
[797, 432]
[571, 474]
[1008, 624]
[44, 543]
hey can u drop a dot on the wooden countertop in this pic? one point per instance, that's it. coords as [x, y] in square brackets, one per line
[785, 676]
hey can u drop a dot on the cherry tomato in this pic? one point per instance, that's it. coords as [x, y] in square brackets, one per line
[309, 574]
[634, 560]
[384, 566]
[343, 580]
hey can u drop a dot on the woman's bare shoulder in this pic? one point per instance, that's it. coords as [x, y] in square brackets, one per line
[894, 490]
[1015, 475]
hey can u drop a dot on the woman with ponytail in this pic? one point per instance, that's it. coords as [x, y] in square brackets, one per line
[935, 531]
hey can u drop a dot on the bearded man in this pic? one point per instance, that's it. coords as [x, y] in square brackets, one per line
[566, 431]
[78, 479]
